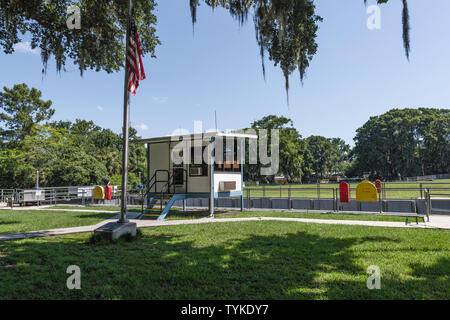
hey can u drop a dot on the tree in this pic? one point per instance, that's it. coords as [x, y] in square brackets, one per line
[15, 170]
[97, 45]
[290, 148]
[285, 30]
[21, 109]
[340, 155]
[320, 153]
[73, 167]
[18, 164]
[404, 142]
[66, 153]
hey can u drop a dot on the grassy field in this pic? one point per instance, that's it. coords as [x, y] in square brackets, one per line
[394, 190]
[97, 208]
[13, 221]
[239, 260]
[220, 214]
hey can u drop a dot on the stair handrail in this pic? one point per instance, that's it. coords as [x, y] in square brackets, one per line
[154, 177]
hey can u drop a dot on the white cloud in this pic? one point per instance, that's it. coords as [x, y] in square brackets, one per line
[160, 99]
[25, 47]
[99, 108]
[142, 126]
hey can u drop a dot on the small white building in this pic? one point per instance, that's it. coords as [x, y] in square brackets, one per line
[206, 165]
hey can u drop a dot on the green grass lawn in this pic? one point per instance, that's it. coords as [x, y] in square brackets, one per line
[94, 208]
[331, 216]
[239, 260]
[13, 221]
[176, 214]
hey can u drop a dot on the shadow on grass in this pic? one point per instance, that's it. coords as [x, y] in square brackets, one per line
[179, 214]
[96, 216]
[173, 265]
[9, 222]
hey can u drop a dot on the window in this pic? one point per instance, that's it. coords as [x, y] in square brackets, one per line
[230, 152]
[198, 169]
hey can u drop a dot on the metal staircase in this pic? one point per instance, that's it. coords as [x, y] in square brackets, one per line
[158, 205]
[159, 202]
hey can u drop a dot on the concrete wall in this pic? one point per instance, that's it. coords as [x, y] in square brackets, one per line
[404, 206]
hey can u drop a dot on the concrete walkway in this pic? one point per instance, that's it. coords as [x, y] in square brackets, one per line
[51, 232]
[436, 222]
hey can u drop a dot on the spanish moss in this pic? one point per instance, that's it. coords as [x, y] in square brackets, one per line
[406, 28]
[285, 30]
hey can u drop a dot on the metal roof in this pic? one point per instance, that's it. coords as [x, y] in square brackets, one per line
[197, 136]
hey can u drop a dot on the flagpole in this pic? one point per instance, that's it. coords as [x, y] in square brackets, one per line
[126, 119]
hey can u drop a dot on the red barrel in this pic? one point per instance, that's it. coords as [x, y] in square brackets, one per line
[344, 192]
[378, 184]
[108, 192]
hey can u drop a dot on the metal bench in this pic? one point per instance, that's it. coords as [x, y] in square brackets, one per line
[406, 215]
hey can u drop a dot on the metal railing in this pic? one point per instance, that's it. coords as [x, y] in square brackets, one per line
[429, 203]
[393, 191]
[46, 195]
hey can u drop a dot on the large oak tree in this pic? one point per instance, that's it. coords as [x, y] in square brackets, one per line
[285, 30]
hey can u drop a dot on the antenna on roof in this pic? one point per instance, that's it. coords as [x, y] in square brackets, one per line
[215, 118]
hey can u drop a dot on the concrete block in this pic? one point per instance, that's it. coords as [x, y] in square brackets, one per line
[256, 203]
[114, 230]
[300, 204]
[348, 206]
[326, 204]
[442, 204]
[399, 206]
[280, 203]
[370, 206]
[225, 203]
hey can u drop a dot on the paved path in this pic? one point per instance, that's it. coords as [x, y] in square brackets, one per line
[445, 224]
[439, 222]
[53, 208]
[51, 232]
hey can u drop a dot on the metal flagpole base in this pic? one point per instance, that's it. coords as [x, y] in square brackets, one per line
[114, 230]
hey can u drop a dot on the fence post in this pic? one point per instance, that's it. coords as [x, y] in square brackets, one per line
[248, 198]
[318, 195]
[428, 203]
[421, 196]
[289, 197]
[334, 200]
[318, 190]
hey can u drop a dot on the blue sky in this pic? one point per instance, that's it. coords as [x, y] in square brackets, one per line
[356, 73]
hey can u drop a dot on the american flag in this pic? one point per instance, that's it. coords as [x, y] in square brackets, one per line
[134, 60]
